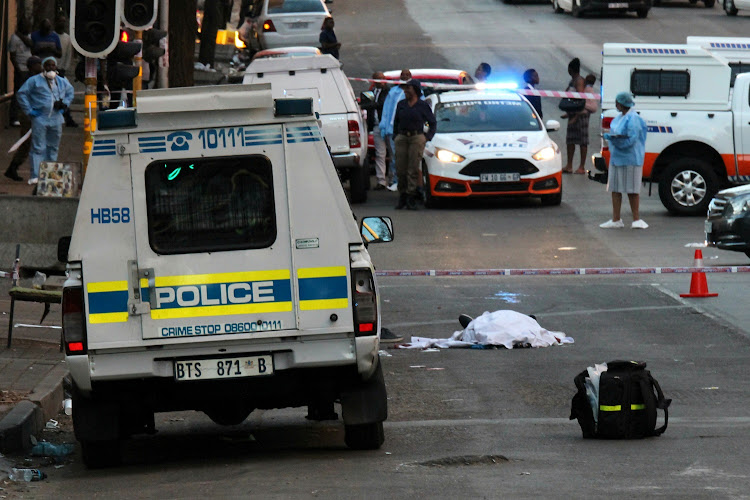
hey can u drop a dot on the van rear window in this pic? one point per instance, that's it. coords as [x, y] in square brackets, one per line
[210, 204]
[660, 82]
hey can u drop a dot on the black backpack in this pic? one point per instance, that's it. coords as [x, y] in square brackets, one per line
[628, 399]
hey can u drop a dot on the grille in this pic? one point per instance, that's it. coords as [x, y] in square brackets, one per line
[716, 207]
[499, 166]
[486, 187]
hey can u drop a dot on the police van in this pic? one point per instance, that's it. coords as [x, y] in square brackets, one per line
[215, 265]
[694, 99]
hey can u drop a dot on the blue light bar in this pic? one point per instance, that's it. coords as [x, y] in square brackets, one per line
[293, 107]
[107, 119]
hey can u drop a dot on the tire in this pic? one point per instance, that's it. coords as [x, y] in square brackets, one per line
[429, 200]
[730, 8]
[358, 180]
[101, 454]
[642, 13]
[687, 186]
[228, 415]
[556, 7]
[576, 9]
[551, 200]
[365, 436]
[709, 3]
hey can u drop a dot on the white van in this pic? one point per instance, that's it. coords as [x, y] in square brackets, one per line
[322, 79]
[215, 266]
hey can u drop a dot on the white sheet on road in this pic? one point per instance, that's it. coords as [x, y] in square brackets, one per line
[500, 328]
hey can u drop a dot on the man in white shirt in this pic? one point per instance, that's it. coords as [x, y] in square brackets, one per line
[19, 47]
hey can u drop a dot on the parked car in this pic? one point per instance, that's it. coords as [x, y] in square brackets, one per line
[490, 144]
[728, 223]
[287, 23]
[708, 3]
[580, 7]
[286, 52]
[731, 7]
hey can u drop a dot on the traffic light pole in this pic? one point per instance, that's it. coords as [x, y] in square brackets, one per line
[138, 62]
[89, 110]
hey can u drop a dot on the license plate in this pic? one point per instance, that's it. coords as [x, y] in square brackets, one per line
[500, 177]
[618, 6]
[708, 227]
[229, 367]
[298, 25]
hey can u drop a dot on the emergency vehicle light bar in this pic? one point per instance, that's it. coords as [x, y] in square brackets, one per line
[293, 107]
[107, 119]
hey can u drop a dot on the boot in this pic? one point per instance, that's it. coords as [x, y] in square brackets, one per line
[411, 202]
[401, 201]
[12, 172]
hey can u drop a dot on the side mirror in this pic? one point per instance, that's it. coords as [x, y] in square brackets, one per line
[376, 230]
[367, 99]
[552, 125]
[63, 245]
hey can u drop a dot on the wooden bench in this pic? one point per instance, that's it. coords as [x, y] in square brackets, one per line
[24, 294]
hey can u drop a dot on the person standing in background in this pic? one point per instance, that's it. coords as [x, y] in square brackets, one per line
[531, 80]
[578, 123]
[328, 42]
[34, 67]
[67, 64]
[19, 48]
[45, 42]
[482, 73]
[374, 112]
[627, 146]
[395, 95]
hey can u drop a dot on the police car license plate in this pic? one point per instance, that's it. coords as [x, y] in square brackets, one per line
[229, 367]
[708, 227]
[618, 5]
[500, 177]
[298, 25]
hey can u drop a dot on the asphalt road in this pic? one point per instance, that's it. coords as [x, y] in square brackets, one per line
[493, 423]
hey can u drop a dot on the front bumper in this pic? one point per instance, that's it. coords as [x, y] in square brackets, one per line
[614, 5]
[448, 187]
[730, 233]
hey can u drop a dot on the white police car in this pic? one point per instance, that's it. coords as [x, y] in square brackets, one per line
[490, 144]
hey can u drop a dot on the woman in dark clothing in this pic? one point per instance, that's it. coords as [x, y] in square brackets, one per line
[578, 123]
[328, 42]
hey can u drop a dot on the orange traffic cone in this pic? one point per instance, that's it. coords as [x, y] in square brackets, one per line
[698, 284]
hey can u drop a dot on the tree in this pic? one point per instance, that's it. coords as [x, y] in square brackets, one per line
[182, 30]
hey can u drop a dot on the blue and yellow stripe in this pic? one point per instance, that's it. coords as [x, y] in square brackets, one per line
[322, 288]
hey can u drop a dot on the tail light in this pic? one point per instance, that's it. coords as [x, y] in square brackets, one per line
[354, 141]
[364, 303]
[606, 123]
[74, 321]
[268, 26]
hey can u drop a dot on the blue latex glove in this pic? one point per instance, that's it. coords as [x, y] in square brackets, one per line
[34, 113]
[606, 136]
[61, 111]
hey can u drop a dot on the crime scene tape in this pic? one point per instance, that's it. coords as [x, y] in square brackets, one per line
[564, 271]
[480, 86]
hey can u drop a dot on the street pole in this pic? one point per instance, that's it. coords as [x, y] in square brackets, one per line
[89, 110]
[164, 60]
[138, 62]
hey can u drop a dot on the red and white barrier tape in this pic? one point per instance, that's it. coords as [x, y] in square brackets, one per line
[565, 271]
[480, 86]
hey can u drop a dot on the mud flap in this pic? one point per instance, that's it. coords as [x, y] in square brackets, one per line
[367, 402]
[95, 420]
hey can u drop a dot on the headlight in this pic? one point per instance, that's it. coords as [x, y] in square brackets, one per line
[544, 154]
[448, 156]
[740, 205]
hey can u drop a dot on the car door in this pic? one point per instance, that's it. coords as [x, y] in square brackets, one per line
[212, 241]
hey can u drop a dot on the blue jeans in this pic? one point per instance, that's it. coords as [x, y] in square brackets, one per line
[45, 139]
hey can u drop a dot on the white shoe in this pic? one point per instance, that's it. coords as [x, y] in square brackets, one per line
[33, 181]
[610, 224]
[639, 224]
[393, 187]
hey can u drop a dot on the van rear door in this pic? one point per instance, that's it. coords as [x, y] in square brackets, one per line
[213, 253]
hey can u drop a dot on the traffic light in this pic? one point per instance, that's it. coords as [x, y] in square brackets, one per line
[139, 14]
[120, 67]
[94, 26]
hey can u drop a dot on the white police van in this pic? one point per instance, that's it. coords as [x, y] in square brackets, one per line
[215, 265]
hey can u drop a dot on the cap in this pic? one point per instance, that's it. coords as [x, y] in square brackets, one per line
[33, 60]
[625, 99]
[415, 84]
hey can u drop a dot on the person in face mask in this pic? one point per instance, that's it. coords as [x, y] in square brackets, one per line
[44, 98]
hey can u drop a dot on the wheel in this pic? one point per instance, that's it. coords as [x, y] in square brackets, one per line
[228, 415]
[429, 200]
[556, 7]
[576, 11]
[101, 454]
[687, 186]
[730, 8]
[550, 200]
[642, 13]
[364, 436]
[358, 180]
[709, 3]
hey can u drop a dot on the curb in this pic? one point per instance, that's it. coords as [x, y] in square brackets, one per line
[29, 416]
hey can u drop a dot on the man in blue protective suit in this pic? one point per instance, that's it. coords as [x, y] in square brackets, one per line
[395, 95]
[44, 98]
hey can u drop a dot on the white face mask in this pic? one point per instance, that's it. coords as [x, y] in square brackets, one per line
[50, 75]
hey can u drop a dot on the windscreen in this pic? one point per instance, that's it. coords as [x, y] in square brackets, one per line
[294, 6]
[491, 115]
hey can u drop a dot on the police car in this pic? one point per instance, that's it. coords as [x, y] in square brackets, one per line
[490, 144]
[215, 266]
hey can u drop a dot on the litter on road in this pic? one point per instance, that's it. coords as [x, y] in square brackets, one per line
[500, 328]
